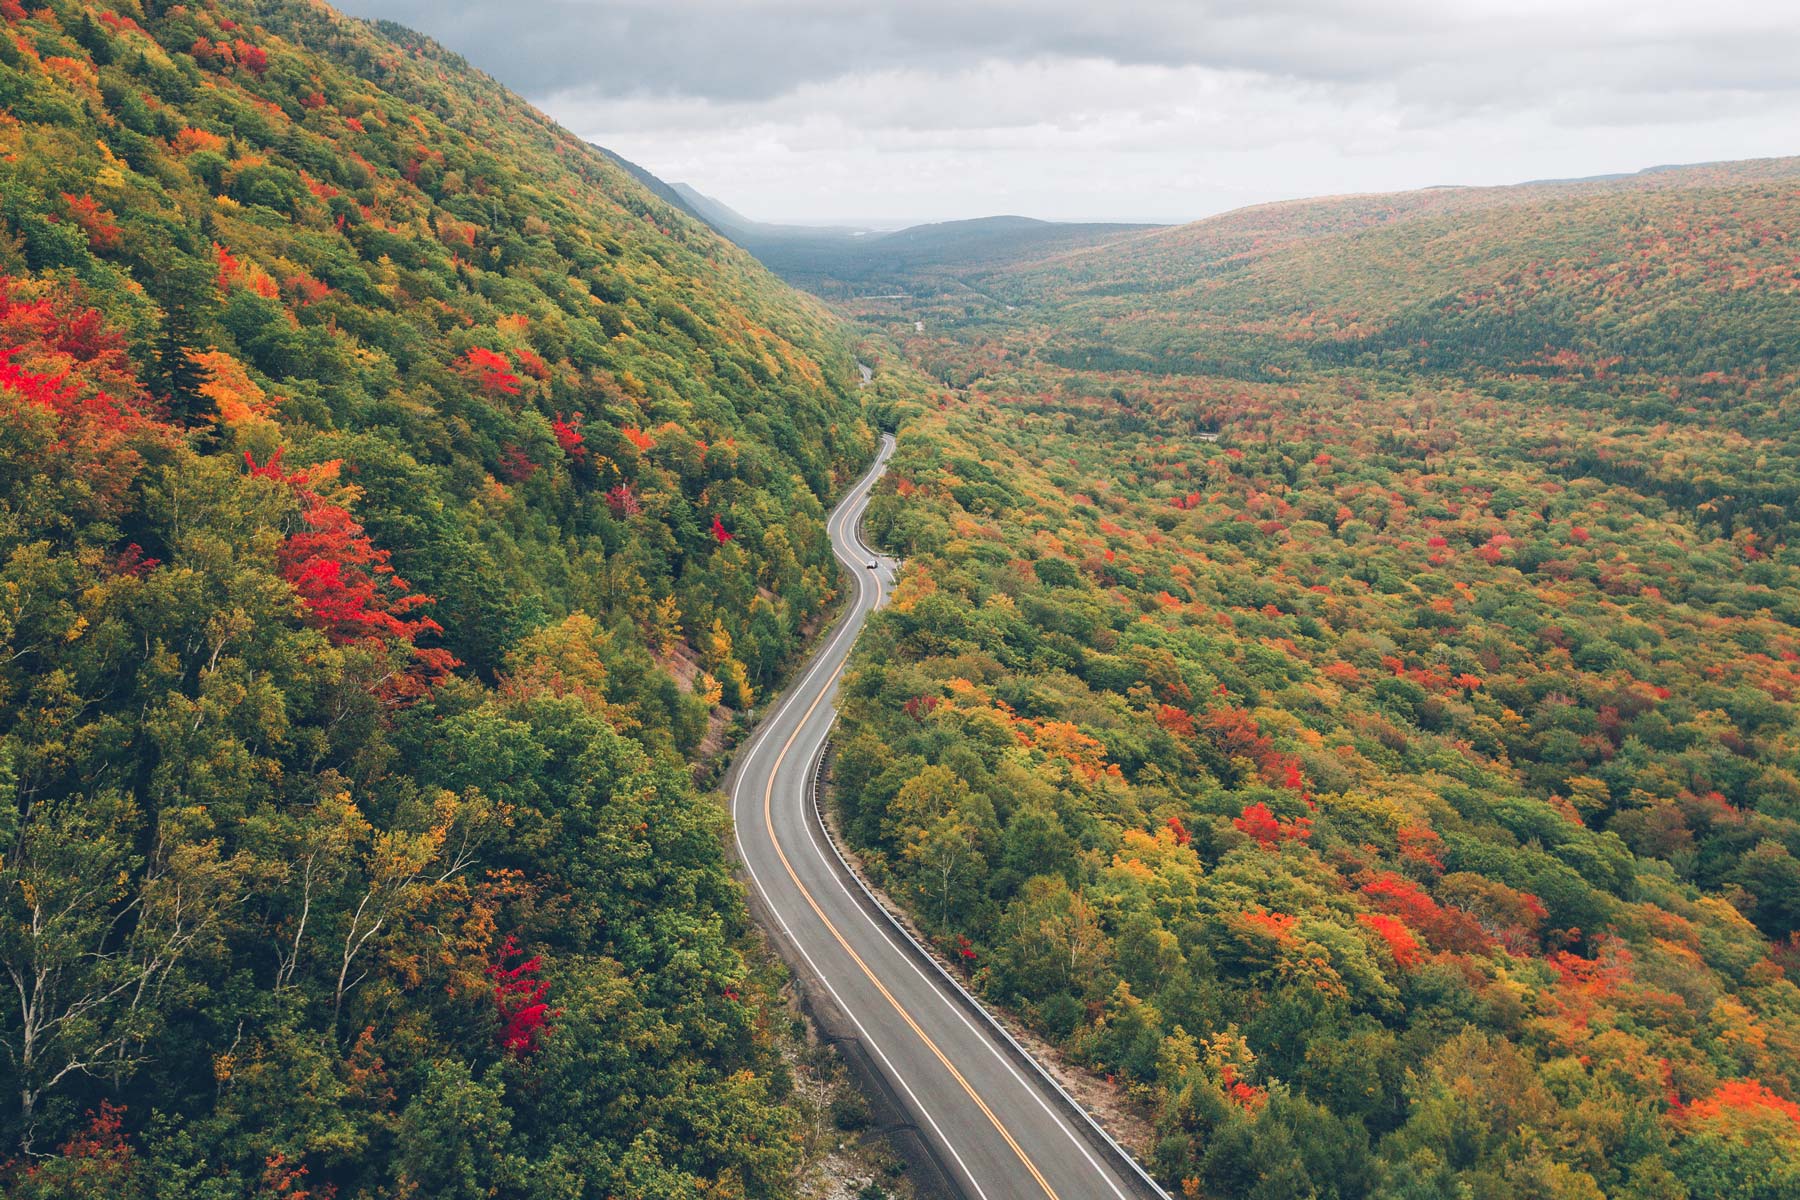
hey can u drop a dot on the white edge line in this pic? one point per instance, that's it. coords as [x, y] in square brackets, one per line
[867, 1037]
[750, 753]
[893, 926]
[853, 535]
[755, 747]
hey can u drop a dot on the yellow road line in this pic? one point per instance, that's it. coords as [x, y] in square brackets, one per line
[769, 822]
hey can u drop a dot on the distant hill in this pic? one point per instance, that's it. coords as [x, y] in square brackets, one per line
[1678, 270]
[847, 261]
[714, 212]
[742, 229]
[925, 258]
[669, 194]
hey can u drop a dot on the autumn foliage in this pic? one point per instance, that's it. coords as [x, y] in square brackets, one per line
[1269, 830]
[1447, 927]
[491, 372]
[1739, 1097]
[317, 353]
[519, 998]
[569, 436]
[235, 54]
[58, 358]
[1439, 595]
[346, 583]
[1394, 935]
[99, 224]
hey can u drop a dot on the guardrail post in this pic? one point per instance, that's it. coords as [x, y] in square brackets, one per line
[1138, 1175]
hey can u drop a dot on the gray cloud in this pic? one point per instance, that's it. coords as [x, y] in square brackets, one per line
[1133, 108]
[755, 49]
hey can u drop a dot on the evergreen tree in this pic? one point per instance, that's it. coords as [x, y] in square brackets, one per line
[183, 290]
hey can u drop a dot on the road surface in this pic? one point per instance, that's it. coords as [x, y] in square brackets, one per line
[995, 1126]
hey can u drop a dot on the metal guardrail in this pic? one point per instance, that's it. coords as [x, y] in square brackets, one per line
[816, 786]
[1095, 1132]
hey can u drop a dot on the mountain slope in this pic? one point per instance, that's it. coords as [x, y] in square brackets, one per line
[842, 261]
[742, 230]
[925, 258]
[1689, 272]
[714, 212]
[1343, 682]
[393, 495]
[668, 194]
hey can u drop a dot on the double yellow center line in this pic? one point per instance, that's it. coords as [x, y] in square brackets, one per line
[769, 824]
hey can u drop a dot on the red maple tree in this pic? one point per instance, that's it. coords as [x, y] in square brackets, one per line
[98, 223]
[920, 707]
[1244, 1095]
[623, 501]
[1742, 1096]
[1391, 930]
[60, 365]
[349, 588]
[515, 465]
[568, 436]
[491, 372]
[1177, 721]
[519, 998]
[1445, 926]
[1260, 823]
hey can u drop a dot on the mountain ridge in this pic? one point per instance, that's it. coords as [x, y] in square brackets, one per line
[833, 259]
[403, 504]
[1367, 278]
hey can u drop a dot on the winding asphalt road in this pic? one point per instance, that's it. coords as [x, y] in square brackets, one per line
[995, 1125]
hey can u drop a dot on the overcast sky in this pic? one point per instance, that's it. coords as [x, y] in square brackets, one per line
[1166, 110]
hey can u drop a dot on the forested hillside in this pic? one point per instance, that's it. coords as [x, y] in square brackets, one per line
[923, 259]
[1664, 274]
[394, 497]
[1671, 289]
[1384, 766]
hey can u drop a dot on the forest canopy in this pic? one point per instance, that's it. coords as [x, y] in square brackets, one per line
[1342, 687]
[398, 504]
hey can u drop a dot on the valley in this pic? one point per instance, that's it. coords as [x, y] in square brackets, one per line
[1315, 736]
[517, 680]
